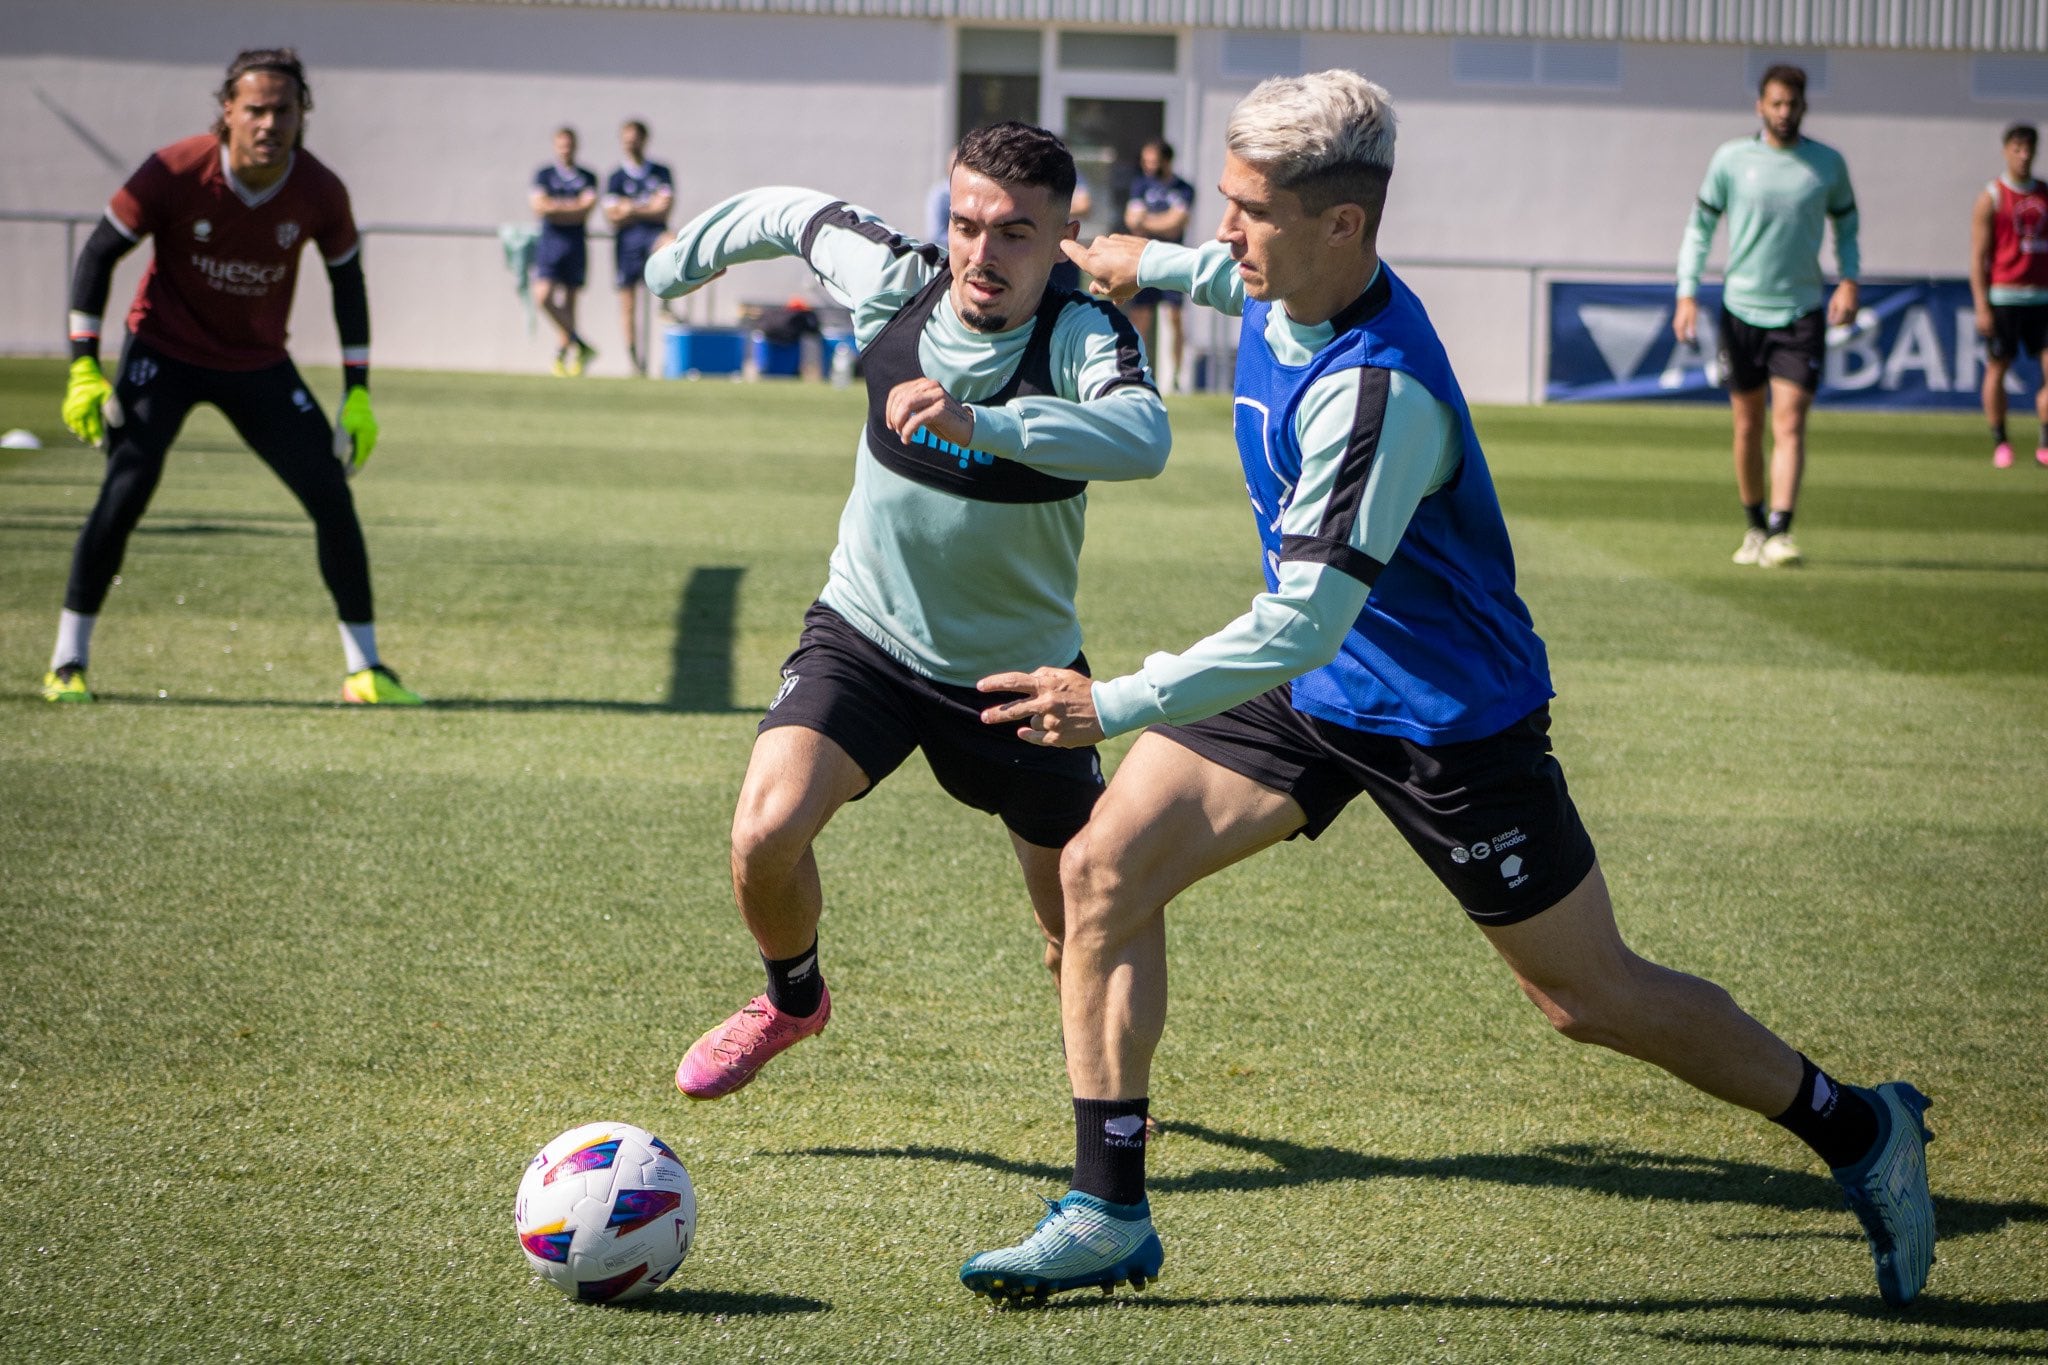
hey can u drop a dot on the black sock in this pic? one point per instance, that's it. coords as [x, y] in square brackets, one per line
[795, 985]
[1109, 1149]
[1997, 434]
[1832, 1119]
[1755, 512]
[2044, 437]
[1779, 522]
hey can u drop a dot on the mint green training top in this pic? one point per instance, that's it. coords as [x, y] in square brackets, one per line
[951, 587]
[1778, 202]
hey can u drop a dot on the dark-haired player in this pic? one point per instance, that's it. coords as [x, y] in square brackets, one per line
[229, 212]
[563, 195]
[2009, 283]
[992, 401]
[638, 195]
[1779, 190]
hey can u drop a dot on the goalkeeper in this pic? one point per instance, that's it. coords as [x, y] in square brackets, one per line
[230, 210]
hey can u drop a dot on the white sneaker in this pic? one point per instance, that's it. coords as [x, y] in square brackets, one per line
[1779, 552]
[1752, 546]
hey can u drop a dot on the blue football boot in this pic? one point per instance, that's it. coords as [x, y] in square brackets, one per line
[1082, 1242]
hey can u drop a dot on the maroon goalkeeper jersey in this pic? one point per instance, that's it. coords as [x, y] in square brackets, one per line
[219, 291]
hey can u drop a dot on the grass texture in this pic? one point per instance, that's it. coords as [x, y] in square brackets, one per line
[290, 991]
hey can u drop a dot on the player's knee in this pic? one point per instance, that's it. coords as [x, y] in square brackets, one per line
[766, 839]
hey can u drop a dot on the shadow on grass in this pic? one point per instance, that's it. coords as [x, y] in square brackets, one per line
[1615, 1171]
[712, 1303]
[1934, 1311]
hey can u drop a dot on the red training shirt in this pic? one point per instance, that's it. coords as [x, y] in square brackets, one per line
[219, 291]
[2019, 234]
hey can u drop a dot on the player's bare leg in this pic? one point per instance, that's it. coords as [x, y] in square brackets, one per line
[1169, 819]
[1571, 962]
[1790, 405]
[1748, 410]
[1167, 360]
[1041, 869]
[2041, 412]
[629, 320]
[796, 782]
[1992, 395]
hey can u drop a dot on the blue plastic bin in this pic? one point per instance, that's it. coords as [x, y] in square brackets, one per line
[691, 351]
[775, 359]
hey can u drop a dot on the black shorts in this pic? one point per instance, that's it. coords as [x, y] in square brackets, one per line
[842, 685]
[1491, 817]
[2017, 329]
[1752, 356]
[1148, 297]
[562, 260]
[629, 258]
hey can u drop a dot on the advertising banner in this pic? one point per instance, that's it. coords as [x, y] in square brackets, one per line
[1914, 345]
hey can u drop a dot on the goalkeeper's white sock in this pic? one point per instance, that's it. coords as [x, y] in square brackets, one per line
[359, 642]
[74, 639]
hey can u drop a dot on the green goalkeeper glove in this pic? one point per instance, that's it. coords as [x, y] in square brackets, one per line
[85, 398]
[355, 435]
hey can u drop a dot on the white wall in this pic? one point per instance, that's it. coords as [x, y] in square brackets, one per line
[438, 114]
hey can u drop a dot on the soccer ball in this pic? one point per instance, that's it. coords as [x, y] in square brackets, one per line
[606, 1212]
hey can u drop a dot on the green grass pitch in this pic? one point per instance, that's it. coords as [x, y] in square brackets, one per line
[290, 991]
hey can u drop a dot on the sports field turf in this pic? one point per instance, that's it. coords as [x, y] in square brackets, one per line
[289, 992]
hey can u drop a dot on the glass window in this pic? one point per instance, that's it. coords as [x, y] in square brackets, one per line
[1088, 51]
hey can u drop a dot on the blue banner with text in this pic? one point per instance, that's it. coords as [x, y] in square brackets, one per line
[1914, 344]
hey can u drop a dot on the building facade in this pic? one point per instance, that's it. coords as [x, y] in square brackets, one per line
[1539, 138]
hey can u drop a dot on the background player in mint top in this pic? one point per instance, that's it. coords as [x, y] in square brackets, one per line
[563, 195]
[1779, 190]
[1389, 655]
[229, 212]
[992, 400]
[2009, 283]
[637, 198]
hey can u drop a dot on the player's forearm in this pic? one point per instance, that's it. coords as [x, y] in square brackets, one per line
[351, 317]
[1848, 251]
[92, 278]
[1285, 634]
[1206, 274]
[1121, 435]
[1692, 251]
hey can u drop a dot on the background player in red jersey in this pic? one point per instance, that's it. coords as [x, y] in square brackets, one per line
[229, 212]
[2009, 280]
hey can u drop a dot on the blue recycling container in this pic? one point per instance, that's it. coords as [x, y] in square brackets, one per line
[777, 359]
[691, 351]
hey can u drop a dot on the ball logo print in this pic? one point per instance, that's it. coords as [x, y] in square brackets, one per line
[202, 231]
[287, 233]
[606, 1212]
[1460, 856]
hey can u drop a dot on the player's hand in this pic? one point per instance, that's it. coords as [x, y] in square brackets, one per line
[1111, 263]
[1057, 709]
[920, 404]
[86, 395]
[1986, 324]
[355, 433]
[1842, 305]
[1685, 321]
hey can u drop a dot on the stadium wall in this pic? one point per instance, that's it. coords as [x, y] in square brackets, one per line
[436, 115]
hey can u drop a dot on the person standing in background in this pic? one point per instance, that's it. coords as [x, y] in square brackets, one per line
[637, 199]
[1780, 191]
[563, 195]
[1158, 210]
[2009, 283]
